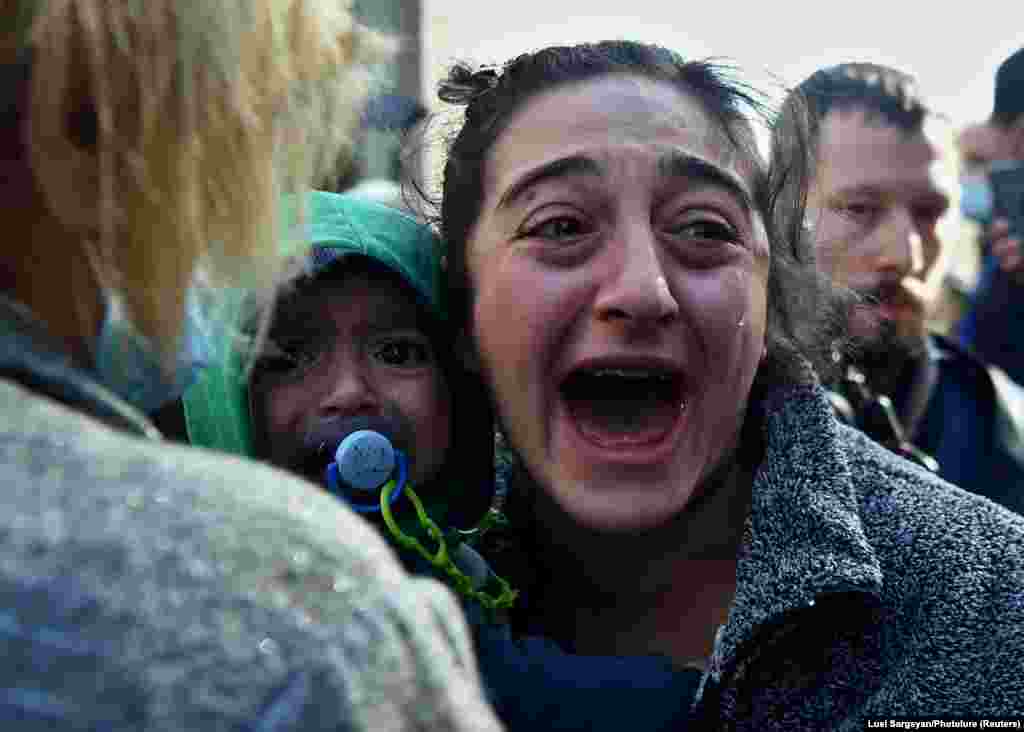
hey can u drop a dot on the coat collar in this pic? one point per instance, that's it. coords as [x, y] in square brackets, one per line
[804, 538]
[30, 356]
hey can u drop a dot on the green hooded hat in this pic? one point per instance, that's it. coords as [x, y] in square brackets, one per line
[217, 408]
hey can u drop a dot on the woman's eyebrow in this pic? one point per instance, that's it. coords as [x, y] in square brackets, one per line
[573, 165]
[677, 164]
[672, 164]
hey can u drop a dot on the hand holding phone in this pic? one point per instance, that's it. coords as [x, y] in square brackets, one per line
[1007, 230]
[1008, 196]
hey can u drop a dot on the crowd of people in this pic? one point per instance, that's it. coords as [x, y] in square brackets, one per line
[634, 426]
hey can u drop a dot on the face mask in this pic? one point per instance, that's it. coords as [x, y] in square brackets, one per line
[976, 199]
[128, 365]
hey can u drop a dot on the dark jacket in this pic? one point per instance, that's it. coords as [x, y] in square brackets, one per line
[974, 426]
[867, 588]
[991, 326]
[151, 586]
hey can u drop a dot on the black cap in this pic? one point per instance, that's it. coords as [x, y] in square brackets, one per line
[1009, 101]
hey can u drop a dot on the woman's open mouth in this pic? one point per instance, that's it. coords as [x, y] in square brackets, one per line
[624, 407]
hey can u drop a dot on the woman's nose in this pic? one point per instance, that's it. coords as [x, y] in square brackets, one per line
[637, 291]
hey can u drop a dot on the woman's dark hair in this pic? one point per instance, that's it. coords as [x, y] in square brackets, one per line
[804, 317]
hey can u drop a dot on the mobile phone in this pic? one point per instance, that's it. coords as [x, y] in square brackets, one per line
[1008, 196]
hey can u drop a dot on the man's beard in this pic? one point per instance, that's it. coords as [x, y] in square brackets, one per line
[889, 358]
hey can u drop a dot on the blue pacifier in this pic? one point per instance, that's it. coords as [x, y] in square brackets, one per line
[364, 464]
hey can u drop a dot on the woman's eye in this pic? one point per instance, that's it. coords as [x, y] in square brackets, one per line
[559, 227]
[929, 215]
[403, 353]
[706, 230]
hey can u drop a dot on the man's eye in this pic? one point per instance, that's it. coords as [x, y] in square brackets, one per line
[403, 352]
[860, 210]
[559, 227]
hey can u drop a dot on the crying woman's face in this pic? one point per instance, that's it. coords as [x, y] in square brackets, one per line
[619, 269]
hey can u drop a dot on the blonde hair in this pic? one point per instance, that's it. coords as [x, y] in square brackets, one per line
[206, 112]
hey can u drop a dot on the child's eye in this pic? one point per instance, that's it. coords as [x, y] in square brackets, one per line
[284, 357]
[403, 352]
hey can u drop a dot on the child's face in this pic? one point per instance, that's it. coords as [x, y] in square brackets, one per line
[353, 347]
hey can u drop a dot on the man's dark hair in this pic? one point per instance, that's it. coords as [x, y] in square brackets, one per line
[802, 317]
[1009, 98]
[886, 95]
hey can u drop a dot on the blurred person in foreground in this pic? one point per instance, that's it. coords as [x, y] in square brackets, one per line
[874, 206]
[991, 325]
[145, 585]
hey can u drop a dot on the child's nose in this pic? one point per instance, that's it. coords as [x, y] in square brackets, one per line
[351, 394]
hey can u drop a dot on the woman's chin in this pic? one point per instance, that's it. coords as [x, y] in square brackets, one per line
[601, 505]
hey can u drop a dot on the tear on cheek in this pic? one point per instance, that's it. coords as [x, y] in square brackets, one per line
[762, 250]
[738, 294]
[747, 305]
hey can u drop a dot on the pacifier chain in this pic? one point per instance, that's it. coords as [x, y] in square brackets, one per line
[365, 462]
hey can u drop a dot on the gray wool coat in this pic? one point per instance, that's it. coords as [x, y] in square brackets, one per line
[149, 586]
[867, 588]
